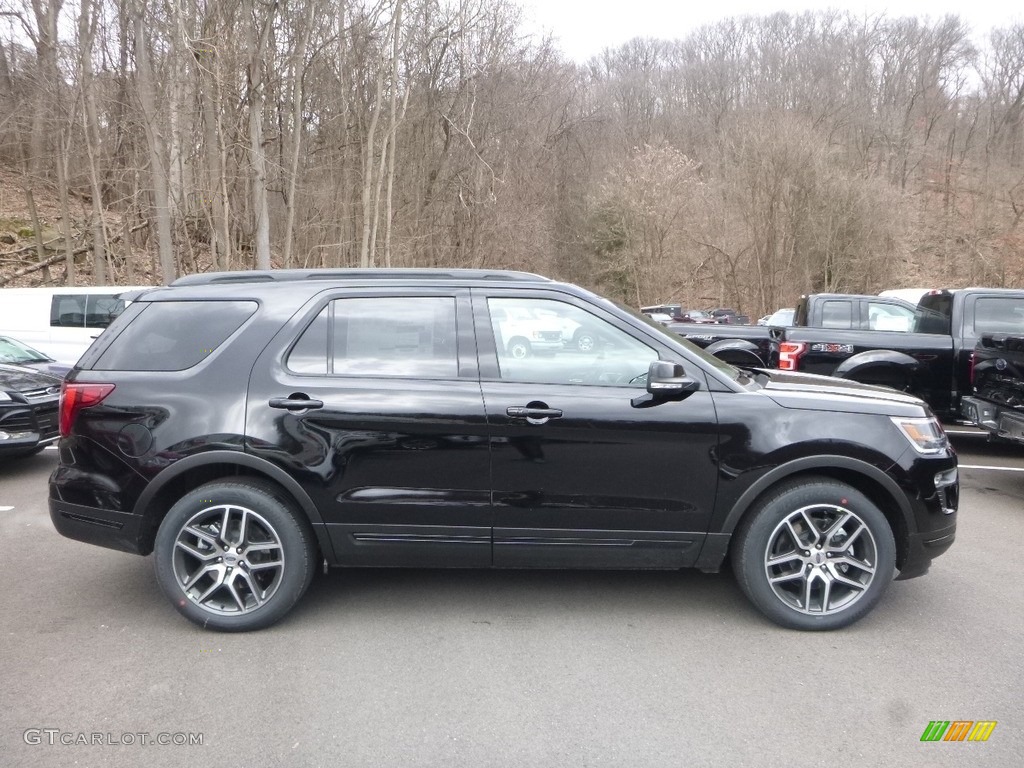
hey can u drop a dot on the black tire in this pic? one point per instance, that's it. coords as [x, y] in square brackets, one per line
[519, 348]
[843, 538]
[264, 563]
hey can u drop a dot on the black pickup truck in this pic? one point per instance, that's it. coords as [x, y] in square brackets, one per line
[931, 360]
[997, 405]
[758, 345]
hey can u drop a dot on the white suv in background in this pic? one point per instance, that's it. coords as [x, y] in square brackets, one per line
[521, 332]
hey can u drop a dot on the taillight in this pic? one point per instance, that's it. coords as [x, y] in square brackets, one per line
[74, 397]
[790, 353]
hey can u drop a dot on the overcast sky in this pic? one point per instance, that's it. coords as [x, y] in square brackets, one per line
[586, 27]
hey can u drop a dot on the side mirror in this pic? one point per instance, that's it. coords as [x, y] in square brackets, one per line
[666, 381]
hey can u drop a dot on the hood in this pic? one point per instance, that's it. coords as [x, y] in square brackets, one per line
[18, 378]
[51, 368]
[826, 393]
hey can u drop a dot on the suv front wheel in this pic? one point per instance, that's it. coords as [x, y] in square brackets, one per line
[815, 554]
[234, 556]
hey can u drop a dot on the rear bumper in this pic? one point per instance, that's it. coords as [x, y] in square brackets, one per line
[102, 527]
[997, 420]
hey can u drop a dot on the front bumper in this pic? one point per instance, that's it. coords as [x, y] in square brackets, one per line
[923, 548]
[22, 442]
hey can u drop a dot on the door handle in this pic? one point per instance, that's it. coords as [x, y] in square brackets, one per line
[526, 412]
[295, 403]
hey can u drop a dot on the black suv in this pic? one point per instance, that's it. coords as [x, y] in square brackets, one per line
[246, 427]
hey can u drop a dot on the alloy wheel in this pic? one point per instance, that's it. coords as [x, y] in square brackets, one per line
[821, 559]
[228, 559]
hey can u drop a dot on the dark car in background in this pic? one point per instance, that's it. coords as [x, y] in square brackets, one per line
[728, 317]
[28, 410]
[13, 352]
[248, 428]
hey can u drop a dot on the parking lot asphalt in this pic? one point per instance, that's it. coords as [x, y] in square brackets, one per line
[458, 668]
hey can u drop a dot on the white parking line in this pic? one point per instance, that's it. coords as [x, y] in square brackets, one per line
[6, 509]
[984, 466]
[51, 448]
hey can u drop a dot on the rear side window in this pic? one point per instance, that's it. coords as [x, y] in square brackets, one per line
[84, 310]
[174, 335]
[999, 314]
[410, 336]
[837, 314]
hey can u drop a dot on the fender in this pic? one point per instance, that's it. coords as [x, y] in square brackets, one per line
[876, 358]
[238, 459]
[807, 463]
[739, 350]
[716, 544]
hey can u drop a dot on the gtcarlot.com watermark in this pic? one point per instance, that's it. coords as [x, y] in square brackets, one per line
[52, 737]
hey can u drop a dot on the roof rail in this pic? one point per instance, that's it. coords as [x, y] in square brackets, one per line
[288, 275]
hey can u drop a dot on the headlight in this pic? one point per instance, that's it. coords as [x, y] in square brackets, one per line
[926, 435]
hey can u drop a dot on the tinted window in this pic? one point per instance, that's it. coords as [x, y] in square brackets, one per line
[84, 310]
[837, 314]
[999, 314]
[174, 335]
[409, 336]
[551, 342]
[935, 313]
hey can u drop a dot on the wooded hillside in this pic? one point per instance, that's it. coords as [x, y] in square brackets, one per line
[749, 162]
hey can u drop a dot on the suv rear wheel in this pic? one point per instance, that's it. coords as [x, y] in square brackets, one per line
[815, 554]
[234, 555]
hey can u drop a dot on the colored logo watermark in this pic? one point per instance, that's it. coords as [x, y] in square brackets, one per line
[958, 730]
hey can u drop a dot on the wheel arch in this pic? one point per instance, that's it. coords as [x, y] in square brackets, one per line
[740, 350]
[880, 489]
[191, 472]
[877, 361]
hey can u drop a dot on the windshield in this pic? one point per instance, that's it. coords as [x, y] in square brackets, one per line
[12, 351]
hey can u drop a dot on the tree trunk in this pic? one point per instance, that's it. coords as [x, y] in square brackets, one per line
[258, 159]
[154, 140]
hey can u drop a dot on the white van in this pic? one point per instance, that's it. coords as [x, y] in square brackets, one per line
[62, 322]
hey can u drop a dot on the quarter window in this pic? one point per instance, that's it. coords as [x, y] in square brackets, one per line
[174, 335]
[398, 336]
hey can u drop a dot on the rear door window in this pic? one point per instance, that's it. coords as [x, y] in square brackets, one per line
[174, 335]
[837, 314]
[414, 337]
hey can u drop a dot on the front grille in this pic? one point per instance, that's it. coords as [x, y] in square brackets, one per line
[43, 419]
[33, 395]
[47, 420]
